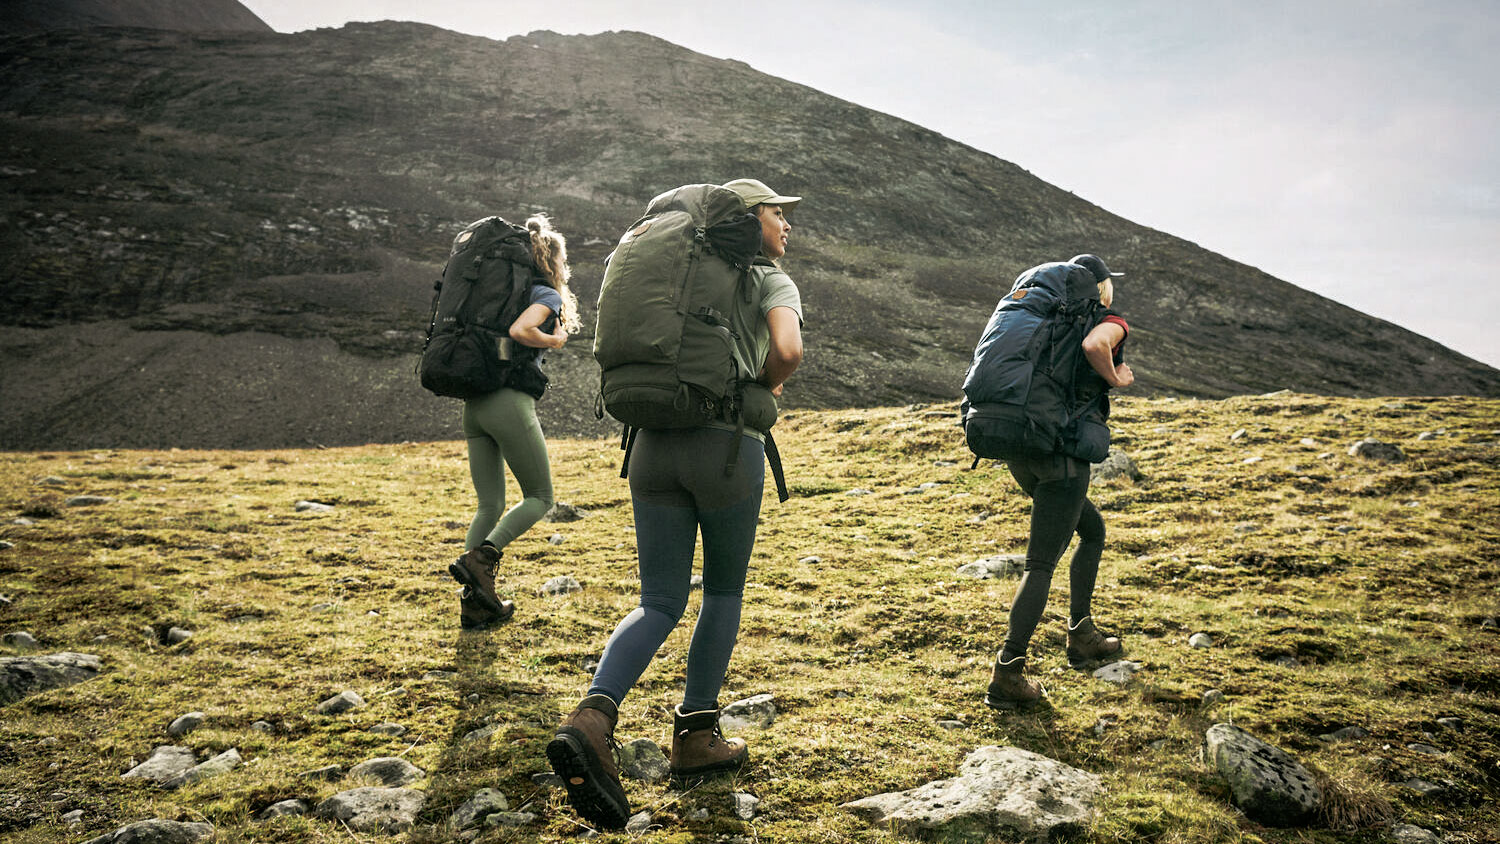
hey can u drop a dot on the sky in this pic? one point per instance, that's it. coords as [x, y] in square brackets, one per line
[1350, 147]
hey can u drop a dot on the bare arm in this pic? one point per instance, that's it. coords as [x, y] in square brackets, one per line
[1099, 348]
[527, 329]
[785, 354]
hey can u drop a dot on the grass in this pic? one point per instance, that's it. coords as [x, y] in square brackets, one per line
[1375, 578]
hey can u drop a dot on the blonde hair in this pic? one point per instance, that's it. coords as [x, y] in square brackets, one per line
[1107, 292]
[549, 249]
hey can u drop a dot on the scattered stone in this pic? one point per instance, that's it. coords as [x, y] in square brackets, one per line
[952, 724]
[1454, 724]
[482, 733]
[263, 727]
[1103, 724]
[858, 492]
[388, 729]
[561, 512]
[944, 464]
[312, 507]
[157, 831]
[185, 724]
[391, 771]
[221, 764]
[999, 791]
[1286, 661]
[20, 639]
[511, 819]
[1424, 749]
[1372, 449]
[1423, 787]
[758, 711]
[1344, 733]
[324, 607]
[52, 480]
[695, 582]
[1268, 785]
[6, 545]
[1309, 442]
[638, 823]
[1405, 833]
[1212, 696]
[995, 567]
[547, 779]
[1254, 459]
[73, 817]
[87, 500]
[485, 802]
[387, 810]
[561, 585]
[1200, 640]
[341, 702]
[5, 601]
[744, 805]
[1238, 435]
[177, 635]
[1117, 465]
[642, 759]
[165, 764]
[440, 675]
[1118, 673]
[810, 561]
[286, 808]
[555, 539]
[327, 772]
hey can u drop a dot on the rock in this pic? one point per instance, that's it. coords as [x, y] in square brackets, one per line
[6, 545]
[387, 810]
[952, 724]
[1423, 787]
[1001, 792]
[561, 585]
[312, 507]
[555, 539]
[744, 805]
[1117, 465]
[341, 702]
[547, 779]
[638, 823]
[1268, 785]
[52, 480]
[810, 561]
[327, 772]
[185, 724]
[482, 733]
[1118, 673]
[87, 500]
[1212, 696]
[561, 512]
[1345, 733]
[511, 819]
[286, 808]
[1286, 661]
[391, 771]
[486, 801]
[263, 727]
[157, 831]
[177, 635]
[998, 566]
[1308, 442]
[1426, 436]
[165, 763]
[1200, 640]
[695, 582]
[388, 729]
[1454, 724]
[223, 763]
[1405, 833]
[1238, 435]
[73, 817]
[20, 639]
[757, 711]
[1372, 449]
[857, 492]
[642, 759]
[1424, 749]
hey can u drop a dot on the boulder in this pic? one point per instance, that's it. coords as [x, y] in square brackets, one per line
[165, 764]
[1372, 449]
[223, 763]
[391, 771]
[757, 711]
[26, 675]
[1117, 465]
[485, 802]
[1268, 785]
[157, 831]
[644, 760]
[387, 810]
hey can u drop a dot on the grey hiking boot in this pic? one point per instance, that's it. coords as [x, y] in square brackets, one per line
[1009, 689]
[582, 754]
[476, 570]
[699, 749]
[472, 615]
[1087, 645]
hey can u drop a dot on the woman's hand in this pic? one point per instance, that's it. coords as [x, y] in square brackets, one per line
[1124, 376]
[527, 329]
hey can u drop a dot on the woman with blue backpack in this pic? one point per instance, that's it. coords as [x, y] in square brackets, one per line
[502, 429]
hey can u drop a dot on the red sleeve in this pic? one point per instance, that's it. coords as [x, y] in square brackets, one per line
[1117, 320]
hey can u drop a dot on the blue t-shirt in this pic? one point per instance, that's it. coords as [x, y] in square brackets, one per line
[542, 294]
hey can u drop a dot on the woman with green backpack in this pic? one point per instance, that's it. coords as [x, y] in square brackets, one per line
[502, 430]
[679, 488]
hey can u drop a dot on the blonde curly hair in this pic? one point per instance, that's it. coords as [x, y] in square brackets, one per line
[549, 249]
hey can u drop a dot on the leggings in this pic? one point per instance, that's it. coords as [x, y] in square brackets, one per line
[1058, 487]
[502, 430]
[678, 488]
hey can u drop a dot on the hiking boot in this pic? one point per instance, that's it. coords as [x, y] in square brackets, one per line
[472, 615]
[1087, 645]
[1009, 689]
[699, 749]
[476, 570]
[581, 753]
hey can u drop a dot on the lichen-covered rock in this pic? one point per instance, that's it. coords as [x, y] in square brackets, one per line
[157, 831]
[26, 675]
[1267, 783]
[387, 810]
[391, 771]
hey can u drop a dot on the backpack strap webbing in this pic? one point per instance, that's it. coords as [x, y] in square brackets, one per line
[627, 444]
[773, 457]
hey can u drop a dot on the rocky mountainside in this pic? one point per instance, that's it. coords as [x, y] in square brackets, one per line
[230, 239]
[185, 15]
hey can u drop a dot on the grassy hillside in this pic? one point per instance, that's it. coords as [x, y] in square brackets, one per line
[1379, 579]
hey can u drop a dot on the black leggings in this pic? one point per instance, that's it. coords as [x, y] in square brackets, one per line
[1058, 487]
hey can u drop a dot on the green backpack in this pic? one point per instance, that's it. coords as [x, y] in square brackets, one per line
[664, 342]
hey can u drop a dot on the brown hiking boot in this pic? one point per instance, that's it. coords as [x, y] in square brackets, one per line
[699, 749]
[581, 753]
[472, 615]
[1087, 645]
[476, 570]
[1009, 689]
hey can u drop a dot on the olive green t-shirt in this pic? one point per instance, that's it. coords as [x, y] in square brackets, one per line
[770, 287]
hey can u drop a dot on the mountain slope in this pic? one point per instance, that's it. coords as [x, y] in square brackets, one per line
[191, 196]
[185, 15]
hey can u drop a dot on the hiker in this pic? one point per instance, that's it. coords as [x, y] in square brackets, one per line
[502, 430]
[1058, 487]
[679, 487]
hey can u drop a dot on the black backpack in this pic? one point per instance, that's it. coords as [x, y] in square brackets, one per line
[1030, 390]
[483, 289]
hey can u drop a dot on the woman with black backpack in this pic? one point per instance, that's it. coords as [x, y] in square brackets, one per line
[502, 430]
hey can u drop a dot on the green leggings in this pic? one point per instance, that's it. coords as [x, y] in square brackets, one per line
[502, 430]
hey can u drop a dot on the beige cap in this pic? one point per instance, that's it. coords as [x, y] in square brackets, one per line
[755, 192]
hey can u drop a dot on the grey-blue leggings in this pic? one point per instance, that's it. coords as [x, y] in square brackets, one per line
[502, 430]
[678, 488]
